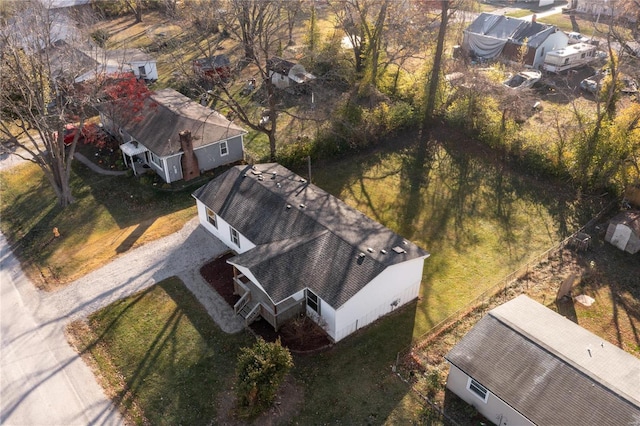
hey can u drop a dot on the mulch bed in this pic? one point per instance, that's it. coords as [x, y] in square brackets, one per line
[300, 335]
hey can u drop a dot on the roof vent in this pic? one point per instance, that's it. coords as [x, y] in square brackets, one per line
[405, 242]
[278, 185]
[260, 177]
[302, 206]
[288, 206]
[383, 251]
[273, 175]
[256, 172]
[399, 250]
[361, 256]
[244, 175]
[369, 249]
[302, 180]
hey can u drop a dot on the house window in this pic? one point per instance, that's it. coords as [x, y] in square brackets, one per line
[212, 218]
[224, 149]
[312, 301]
[155, 159]
[478, 390]
[235, 237]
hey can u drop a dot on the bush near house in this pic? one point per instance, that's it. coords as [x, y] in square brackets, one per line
[260, 371]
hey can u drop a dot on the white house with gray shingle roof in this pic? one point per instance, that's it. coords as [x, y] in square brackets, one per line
[300, 249]
[524, 364]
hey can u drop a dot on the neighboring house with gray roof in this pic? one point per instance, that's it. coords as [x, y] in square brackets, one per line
[491, 36]
[300, 249]
[154, 139]
[524, 364]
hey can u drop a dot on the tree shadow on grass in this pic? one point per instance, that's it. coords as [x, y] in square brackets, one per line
[456, 196]
[168, 375]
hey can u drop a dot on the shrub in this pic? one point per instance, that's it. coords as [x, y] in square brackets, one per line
[100, 36]
[260, 371]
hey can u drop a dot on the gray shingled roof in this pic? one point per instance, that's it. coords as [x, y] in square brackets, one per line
[629, 218]
[552, 371]
[315, 246]
[169, 112]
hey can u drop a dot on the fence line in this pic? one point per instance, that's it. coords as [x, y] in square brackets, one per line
[502, 285]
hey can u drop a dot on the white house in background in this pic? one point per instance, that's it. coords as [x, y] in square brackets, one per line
[141, 64]
[624, 231]
[286, 74]
[523, 364]
[300, 249]
[153, 140]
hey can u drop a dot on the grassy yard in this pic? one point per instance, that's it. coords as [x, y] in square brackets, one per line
[111, 215]
[479, 220]
[160, 356]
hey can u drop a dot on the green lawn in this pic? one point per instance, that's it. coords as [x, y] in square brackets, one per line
[111, 215]
[161, 357]
[479, 220]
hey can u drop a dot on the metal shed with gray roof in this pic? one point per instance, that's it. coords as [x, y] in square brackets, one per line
[525, 364]
[292, 238]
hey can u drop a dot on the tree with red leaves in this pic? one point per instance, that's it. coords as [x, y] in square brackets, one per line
[123, 100]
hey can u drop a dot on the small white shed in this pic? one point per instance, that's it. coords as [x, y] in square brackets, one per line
[624, 231]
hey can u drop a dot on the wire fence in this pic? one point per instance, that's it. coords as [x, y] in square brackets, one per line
[503, 284]
[482, 302]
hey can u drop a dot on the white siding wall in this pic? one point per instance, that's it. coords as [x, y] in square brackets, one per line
[495, 409]
[223, 232]
[150, 68]
[555, 41]
[399, 283]
[327, 318]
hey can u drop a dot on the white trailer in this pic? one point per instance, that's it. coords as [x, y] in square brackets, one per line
[569, 57]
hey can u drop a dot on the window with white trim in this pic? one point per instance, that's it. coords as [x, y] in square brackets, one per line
[224, 148]
[212, 218]
[478, 390]
[235, 237]
[312, 301]
[155, 159]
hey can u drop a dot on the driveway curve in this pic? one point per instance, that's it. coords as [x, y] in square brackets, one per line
[43, 381]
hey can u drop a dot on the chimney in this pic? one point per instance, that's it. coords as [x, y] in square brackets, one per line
[189, 161]
[534, 18]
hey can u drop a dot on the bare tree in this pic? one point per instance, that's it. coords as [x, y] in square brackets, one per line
[135, 6]
[38, 96]
[259, 25]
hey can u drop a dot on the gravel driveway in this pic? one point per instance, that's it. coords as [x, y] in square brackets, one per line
[43, 381]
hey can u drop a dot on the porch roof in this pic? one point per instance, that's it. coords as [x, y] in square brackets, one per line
[131, 148]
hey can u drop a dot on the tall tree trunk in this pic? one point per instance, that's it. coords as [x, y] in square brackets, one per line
[376, 42]
[434, 81]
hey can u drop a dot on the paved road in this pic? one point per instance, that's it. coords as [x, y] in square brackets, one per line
[43, 381]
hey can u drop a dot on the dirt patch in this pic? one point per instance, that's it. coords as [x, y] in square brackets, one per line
[287, 405]
[300, 335]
